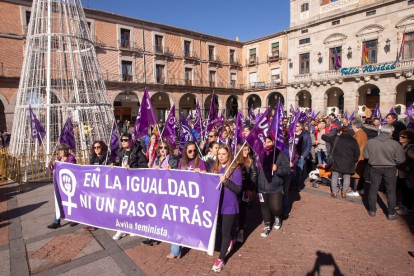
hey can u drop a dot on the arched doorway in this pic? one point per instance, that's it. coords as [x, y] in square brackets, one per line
[272, 100]
[369, 95]
[335, 98]
[2, 117]
[187, 104]
[405, 93]
[161, 103]
[126, 106]
[207, 103]
[232, 107]
[253, 101]
[304, 99]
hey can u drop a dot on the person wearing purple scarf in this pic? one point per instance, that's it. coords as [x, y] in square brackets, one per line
[64, 156]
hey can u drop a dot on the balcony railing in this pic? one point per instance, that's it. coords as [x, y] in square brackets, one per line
[257, 85]
[128, 45]
[160, 50]
[212, 84]
[234, 62]
[252, 61]
[273, 57]
[159, 80]
[214, 59]
[189, 55]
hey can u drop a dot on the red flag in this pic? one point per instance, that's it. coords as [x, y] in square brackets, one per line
[365, 53]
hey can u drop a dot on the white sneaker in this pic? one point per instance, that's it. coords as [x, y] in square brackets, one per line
[119, 235]
[352, 193]
[278, 223]
[361, 192]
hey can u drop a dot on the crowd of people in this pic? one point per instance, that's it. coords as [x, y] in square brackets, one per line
[364, 154]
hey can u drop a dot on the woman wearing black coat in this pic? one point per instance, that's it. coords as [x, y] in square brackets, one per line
[345, 157]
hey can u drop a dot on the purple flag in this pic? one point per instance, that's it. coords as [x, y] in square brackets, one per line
[220, 127]
[337, 61]
[345, 115]
[292, 131]
[67, 136]
[38, 132]
[276, 127]
[303, 117]
[168, 133]
[186, 135]
[251, 114]
[392, 110]
[238, 137]
[315, 115]
[352, 116]
[377, 112]
[410, 113]
[114, 144]
[190, 116]
[145, 202]
[257, 137]
[213, 118]
[146, 117]
[198, 120]
[292, 110]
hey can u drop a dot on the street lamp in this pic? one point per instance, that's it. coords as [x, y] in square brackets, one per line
[409, 87]
[369, 91]
[335, 94]
[320, 57]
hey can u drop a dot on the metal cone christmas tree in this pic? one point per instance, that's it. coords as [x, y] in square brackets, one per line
[60, 78]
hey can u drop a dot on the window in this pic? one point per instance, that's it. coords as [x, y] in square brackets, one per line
[126, 70]
[408, 51]
[304, 31]
[212, 78]
[232, 56]
[211, 53]
[187, 48]
[372, 50]
[275, 76]
[28, 14]
[333, 52]
[252, 56]
[304, 41]
[275, 49]
[188, 76]
[336, 22]
[304, 7]
[159, 73]
[304, 63]
[253, 79]
[233, 79]
[159, 43]
[125, 38]
[369, 13]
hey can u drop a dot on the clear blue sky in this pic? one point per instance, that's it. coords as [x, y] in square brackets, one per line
[229, 18]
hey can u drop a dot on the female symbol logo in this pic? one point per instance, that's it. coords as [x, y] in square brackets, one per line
[67, 183]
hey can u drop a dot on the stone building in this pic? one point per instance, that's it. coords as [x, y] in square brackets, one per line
[322, 32]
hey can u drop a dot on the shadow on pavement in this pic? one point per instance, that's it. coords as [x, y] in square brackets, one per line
[13, 213]
[11, 189]
[325, 259]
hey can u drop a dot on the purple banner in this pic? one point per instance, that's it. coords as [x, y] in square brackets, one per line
[38, 132]
[146, 117]
[168, 133]
[173, 206]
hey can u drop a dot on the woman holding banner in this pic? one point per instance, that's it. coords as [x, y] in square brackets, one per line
[249, 183]
[231, 178]
[190, 161]
[64, 156]
[130, 155]
[275, 168]
[211, 156]
[165, 158]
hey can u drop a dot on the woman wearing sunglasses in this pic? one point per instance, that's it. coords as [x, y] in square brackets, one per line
[232, 186]
[130, 155]
[190, 161]
[165, 158]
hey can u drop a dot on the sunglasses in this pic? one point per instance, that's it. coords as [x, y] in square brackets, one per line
[402, 136]
[162, 147]
[191, 151]
[97, 147]
[124, 140]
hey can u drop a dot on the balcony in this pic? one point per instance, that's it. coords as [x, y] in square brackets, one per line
[252, 61]
[162, 51]
[235, 62]
[98, 43]
[214, 59]
[273, 57]
[190, 55]
[257, 85]
[212, 84]
[159, 80]
[127, 45]
[275, 83]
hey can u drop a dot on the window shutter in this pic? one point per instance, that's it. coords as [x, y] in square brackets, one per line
[253, 51]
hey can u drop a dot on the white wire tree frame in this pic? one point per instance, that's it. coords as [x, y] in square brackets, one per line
[60, 78]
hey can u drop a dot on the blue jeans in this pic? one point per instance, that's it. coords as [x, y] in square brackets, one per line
[176, 250]
[322, 157]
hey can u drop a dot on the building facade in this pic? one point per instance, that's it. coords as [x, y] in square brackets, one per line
[343, 54]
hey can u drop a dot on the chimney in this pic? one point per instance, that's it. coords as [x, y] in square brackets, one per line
[237, 38]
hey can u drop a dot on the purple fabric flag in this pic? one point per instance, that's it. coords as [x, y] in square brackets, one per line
[67, 136]
[377, 112]
[168, 133]
[185, 136]
[315, 115]
[38, 132]
[352, 116]
[345, 115]
[220, 127]
[251, 114]
[238, 137]
[114, 143]
[292, 110]
[392, 110]
[146, 117]
[337, 61]
[410, 112]
[213, 118]
[292, 131]
[276, 127]
[198, 120]
[257, 137]
[303, 117]
[149, 208]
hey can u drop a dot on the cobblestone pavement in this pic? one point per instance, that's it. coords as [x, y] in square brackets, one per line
[323, 236]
